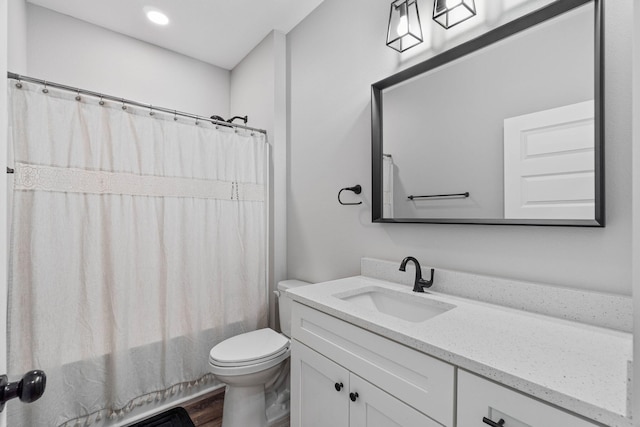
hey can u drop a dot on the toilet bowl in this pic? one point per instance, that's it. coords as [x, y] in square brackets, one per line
[248, 362]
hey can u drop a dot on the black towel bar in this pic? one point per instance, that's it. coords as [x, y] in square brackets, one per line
[441, 196]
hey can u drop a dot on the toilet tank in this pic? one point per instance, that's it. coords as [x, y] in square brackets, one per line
[284, 303]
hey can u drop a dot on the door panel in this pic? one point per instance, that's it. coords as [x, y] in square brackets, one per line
[549, 164]
[315, 399]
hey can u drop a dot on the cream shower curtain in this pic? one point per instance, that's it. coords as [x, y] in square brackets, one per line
[137, 243]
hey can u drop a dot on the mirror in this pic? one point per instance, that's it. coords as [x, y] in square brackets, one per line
[503, 129]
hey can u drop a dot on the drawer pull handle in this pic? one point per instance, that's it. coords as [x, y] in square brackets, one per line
[338, 386]
[353, 396]
[493, 423]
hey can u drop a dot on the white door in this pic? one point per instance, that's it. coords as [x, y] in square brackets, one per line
[319, 389]
[3, 195]
[549, 164]
[373, 407]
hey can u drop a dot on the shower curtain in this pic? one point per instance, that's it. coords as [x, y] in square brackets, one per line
[138, 241]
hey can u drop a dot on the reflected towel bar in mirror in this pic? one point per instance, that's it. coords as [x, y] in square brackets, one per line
[441, 196]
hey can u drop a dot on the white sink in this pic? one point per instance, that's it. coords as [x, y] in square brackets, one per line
[413, 308]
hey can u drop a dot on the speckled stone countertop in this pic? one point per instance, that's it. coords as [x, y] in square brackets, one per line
[578, 367]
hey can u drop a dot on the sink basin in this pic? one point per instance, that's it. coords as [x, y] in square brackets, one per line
[413, 308]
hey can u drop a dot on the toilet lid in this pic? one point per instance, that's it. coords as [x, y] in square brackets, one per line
[248, 348]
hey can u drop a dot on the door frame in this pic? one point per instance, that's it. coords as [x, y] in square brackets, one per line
[4, 11]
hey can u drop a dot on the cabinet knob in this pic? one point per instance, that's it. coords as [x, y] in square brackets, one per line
[492, 423]
[338, 386]
[353, 396]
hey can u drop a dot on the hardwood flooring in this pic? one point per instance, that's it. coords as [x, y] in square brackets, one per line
[206, 411]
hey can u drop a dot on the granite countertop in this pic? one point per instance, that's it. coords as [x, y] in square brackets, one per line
[579, 367]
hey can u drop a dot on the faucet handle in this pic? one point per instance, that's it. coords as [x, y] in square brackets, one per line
[422, 283]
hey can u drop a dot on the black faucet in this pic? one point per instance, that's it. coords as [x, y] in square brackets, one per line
[419, 284]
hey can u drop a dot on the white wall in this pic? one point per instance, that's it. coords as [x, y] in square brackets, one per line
[69, 51]
[335, 54]
[636, 215]
[17, 28]
[258, 89]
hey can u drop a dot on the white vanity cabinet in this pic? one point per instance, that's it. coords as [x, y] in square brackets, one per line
[330, 395]
[481, 402]
[343, 375]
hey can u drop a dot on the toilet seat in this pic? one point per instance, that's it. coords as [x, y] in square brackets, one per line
[249, 352]
[227, 371]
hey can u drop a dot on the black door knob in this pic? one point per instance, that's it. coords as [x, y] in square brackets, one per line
[338, 386]
[353, 396]
[29, 389]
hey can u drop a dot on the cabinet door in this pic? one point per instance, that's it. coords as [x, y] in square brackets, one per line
[375, 408]
[319, 390]
[479, 398]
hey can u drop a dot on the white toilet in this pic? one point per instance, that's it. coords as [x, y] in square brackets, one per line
[249, 361]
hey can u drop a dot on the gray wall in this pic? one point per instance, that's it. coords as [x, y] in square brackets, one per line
[66, 50]
[258, 89]
[334, 56]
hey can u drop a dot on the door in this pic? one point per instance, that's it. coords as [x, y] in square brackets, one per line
[549, 164]
[319, 389]
[373, 407]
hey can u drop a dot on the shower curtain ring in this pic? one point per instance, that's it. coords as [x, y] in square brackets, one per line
[78, 98]
[175, 115]
[151, 113]
[101, 100]
[45, 90]
[19, 84]
[124, 107]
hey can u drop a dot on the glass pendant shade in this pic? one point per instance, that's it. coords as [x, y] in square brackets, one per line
[452, 12]
[404, 25]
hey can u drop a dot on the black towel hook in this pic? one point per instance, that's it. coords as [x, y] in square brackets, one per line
[356, 189]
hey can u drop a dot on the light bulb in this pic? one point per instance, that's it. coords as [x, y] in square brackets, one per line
[403, 25]
[157, 17]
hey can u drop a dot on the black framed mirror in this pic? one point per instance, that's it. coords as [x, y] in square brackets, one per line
[504, 129]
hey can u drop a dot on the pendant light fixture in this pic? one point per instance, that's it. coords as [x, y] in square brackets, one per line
[452, 12]
[404, 25]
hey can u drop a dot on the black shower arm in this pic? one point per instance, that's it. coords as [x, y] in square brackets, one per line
[244, 119]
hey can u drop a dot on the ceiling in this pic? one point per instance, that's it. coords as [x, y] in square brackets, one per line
[218, 32]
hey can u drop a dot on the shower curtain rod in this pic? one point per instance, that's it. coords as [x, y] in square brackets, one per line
[152, 108]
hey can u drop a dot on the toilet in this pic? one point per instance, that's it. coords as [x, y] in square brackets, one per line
[248, 362]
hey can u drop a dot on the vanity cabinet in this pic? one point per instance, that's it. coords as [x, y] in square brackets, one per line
[330, 395]
[343, 375]
[480, 399]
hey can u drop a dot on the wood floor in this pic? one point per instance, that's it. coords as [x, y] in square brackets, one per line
[206, 411]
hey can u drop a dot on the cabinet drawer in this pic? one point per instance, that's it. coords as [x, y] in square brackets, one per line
[479, 398]
[425, 383]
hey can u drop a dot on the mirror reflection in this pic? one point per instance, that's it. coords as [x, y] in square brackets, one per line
[505, 133]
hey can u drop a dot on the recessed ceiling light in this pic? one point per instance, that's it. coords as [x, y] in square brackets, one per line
[157, 17]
